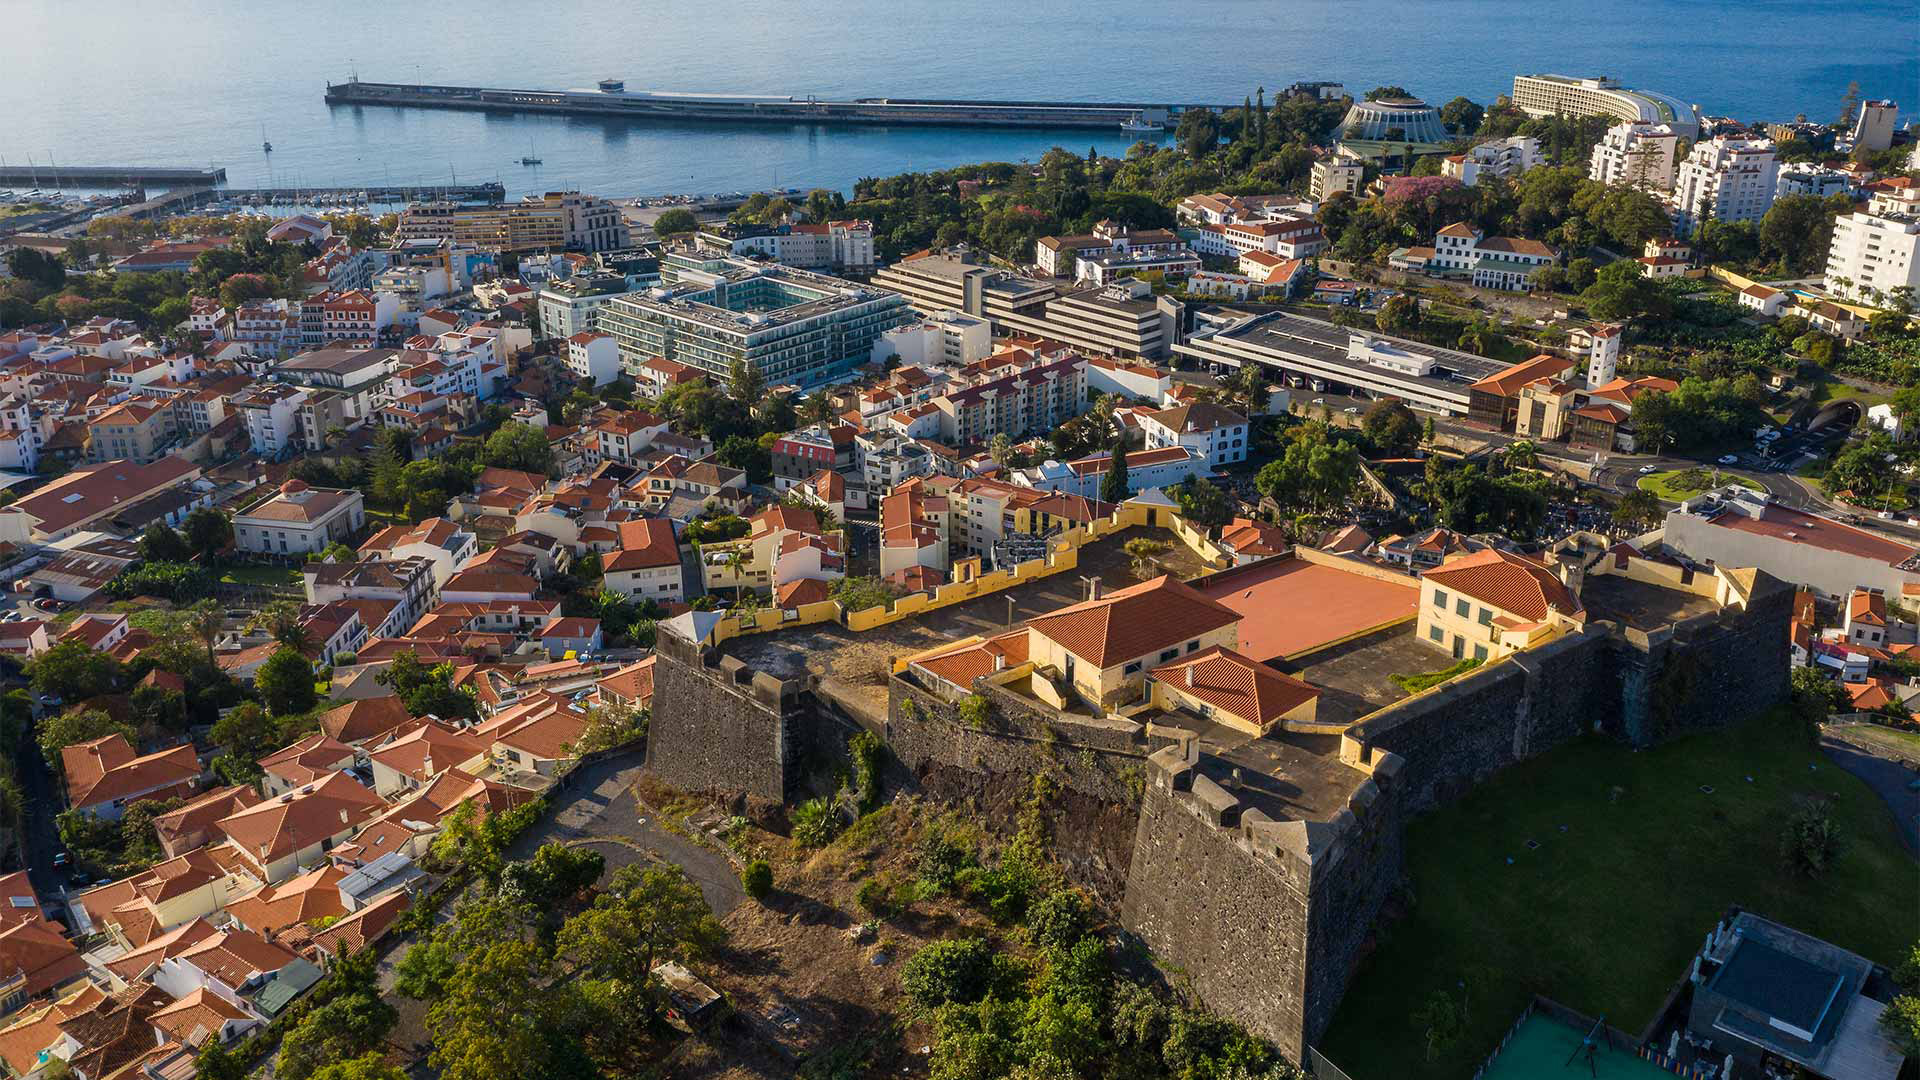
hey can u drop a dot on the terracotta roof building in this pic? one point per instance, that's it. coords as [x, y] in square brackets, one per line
[105, 775]
[1490, 603]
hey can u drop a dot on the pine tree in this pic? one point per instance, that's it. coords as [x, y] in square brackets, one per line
[1249, 131]
[1262, 135]
[747, 383]
[1113, 486]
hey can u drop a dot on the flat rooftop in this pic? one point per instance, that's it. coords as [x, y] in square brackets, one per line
[1285, 776]
[1290, 607]
[1356, 677]
[1783, 523]
[1640, 604]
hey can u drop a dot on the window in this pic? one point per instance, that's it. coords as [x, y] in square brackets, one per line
[1479, 652]
[1194, 645]
[1440, 599]
[1486, 616]
[1463, 607]
[1436, 635]
[1169, 654]
[1133, 668]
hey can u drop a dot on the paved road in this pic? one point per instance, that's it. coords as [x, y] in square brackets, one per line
[40, 836]
[1889, 779]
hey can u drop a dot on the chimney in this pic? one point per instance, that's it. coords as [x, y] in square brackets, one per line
[1190, 674]
[426, 765]
[343, 815]
[1093, 588]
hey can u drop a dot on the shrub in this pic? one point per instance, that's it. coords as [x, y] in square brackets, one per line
[1812, 841]
[974, 711]
[1060, 919]
[815, 823]
[1901, 1022]
[864, 748]
[875, 897]
[942, 859]
[948, 972]
[757, 879]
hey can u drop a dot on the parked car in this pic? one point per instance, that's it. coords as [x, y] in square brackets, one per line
[1646, 469]
[1728, 459]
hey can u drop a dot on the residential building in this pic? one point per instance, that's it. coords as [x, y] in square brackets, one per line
[299, 518]
[1555, 95]
[952, 281]
[1124, 319]
[1102, 648]
[441, 542]
[1765, 300]
[1288, 238]
[1810, 178]
[133, 431]
[549, 222]
[1724, 178]
[1331, 176]
[1111, 251]
[1635, 155]
[835, 246]
[1603, 353]
[798, 455]
[1493, 262]
[1146, 469]
[277, 838]
[1874, 126]
[1872, 255]
[305, 762]
[794, 326]
[646, 565]
[359, 375]
[573, 306]
[270, 412]
[106, 775]
[1224, 687]
[1218, 435]
[593, 358]
[1491, 603]
[1507, 157]
[943, 338]
[1032, 400]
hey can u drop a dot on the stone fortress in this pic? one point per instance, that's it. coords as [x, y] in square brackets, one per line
[1241, 769]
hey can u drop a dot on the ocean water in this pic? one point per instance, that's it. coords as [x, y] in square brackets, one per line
[199, 82]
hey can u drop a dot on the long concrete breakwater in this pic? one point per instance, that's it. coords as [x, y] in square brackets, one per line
[612, 99]
[107, 175]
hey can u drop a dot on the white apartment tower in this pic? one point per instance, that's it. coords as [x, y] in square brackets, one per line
[1873, 128]
[1872, 255]
[1603, 356]
[1638, 155]
[1727, 179]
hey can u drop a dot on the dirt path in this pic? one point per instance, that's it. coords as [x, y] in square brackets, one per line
[1890, 779]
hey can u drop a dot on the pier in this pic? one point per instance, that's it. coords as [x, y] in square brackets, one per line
[94, 176]
[613, 100]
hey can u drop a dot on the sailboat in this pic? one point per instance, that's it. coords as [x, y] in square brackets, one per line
[532, 158]
[265, 146]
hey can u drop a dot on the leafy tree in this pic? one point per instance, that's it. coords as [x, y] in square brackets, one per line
[76, 726]
[1621, 291]
[339, 1030]
[369, 1066]
[1399, 315]
[1461, 116]
[492, 1021]
[179, 582]
[746, 383]
[556, 873]
[744, 453]
[427, 690]
[1392, 428]
[1198, 132]
[161, 544]
[217, 1061]
[246, 732]
[861, 593]
[208, 532]
[1315, 470]
[1380, 92]
[675, 222]
[1113, 486]
[37, 267]
[648, 914]
[285, 682]
[1202, 502]
[1638, 510]
[73, 671]
[518, 446]
[1145, 553]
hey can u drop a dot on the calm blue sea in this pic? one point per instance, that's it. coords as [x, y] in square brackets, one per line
[198, 83]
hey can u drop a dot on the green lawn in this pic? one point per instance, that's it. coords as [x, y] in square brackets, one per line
[1903, 743]
[260, 575]
[1670, 486]
[1605, 916]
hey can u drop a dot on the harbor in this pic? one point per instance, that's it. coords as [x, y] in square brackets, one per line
[611, 98]
[102, 176]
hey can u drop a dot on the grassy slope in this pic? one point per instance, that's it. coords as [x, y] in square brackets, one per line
[1605, 916]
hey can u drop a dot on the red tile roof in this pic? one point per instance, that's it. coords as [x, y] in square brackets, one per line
[1508, 583]
[1237, 684]
[1134, 621]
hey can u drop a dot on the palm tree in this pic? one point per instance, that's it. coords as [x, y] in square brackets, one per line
[737, 559]
[206, 621]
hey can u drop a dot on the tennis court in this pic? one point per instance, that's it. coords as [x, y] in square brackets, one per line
[1540, 1049]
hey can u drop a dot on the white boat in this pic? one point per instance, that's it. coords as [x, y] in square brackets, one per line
[1140, 125]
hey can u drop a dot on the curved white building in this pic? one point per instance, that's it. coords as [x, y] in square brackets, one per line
[1395, 120]
[1546, 95]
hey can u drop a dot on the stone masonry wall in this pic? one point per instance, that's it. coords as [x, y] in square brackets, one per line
[1707, 671]
[720, 726]
[1266, 917]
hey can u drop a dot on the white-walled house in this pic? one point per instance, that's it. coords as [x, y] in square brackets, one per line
[1218, 434]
